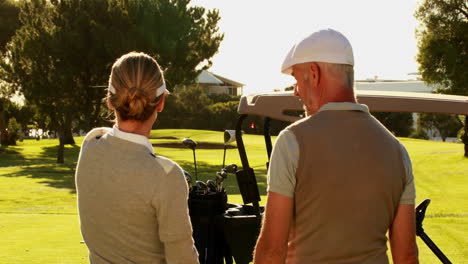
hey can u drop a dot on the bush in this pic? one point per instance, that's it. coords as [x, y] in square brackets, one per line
[11, 134]
[442, 125]
[400, 124]
[419, 133]
[193, 108]
[223, 116]
[223, 98]
[461, 134]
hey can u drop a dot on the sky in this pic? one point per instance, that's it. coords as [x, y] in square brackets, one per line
[259, 33]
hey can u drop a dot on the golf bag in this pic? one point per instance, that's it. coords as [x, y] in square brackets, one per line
[206, 213]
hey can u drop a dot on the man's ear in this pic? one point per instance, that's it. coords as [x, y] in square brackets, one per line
[314, 73]
[160, 106]
[109, 105]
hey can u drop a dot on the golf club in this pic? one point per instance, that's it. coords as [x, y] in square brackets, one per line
[188, 178]
[420, 214]
[192, 145]
[220, 176]
[212, 187]
[201, 186]
[229, 136]
[231, 168]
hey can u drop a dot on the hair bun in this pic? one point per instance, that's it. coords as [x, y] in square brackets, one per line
[135, 77]
[135, 101]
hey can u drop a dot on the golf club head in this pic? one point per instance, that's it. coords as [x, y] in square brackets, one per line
[222, 174]
[229, 136]
[212, 186]
[231, 168]
[218, 179]
[189, 143]
[201, 186]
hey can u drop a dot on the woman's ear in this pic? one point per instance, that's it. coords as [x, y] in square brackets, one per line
[160, 106]
[109, 105]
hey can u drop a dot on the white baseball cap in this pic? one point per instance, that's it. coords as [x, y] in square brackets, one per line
[326, 45]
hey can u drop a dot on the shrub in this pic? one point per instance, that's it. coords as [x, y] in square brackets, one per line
[400, 124]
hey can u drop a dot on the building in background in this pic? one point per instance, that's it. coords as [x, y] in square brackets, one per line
[411, 86]
[215, 84]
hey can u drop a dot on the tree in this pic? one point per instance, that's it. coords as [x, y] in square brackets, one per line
[289, 88]
[443, 47]
[400, 124]
[13, 131]
[193, 107]
[445, 125]
[61, 56]
[9, 23]
[35, 69]
[181, 38]
[223, 115]
[22, 116]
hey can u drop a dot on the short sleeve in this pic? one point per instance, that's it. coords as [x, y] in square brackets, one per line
[283, 164]
[409, 192]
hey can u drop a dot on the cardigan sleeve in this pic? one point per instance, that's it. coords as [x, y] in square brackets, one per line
[175, 229]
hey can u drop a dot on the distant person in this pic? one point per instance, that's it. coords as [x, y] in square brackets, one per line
[338, 179]
[132, 203]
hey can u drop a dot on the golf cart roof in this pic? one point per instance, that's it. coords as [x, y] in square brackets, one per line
[275, 105]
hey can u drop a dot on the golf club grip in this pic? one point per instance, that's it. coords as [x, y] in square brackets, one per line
[434, 248]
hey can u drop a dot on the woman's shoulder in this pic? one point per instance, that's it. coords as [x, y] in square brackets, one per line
[166, 164]
[94, 135]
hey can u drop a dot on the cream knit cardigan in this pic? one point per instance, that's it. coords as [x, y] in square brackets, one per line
[132, 204]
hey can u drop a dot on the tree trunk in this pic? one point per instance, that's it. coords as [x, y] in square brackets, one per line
[61, 149]
[2, 115]
[466, 150]
[443, 136]
[3, 132]
[465, 136]
[68, 137]
[68, 134]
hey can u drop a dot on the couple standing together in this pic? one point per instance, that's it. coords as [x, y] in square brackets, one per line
[338, 181]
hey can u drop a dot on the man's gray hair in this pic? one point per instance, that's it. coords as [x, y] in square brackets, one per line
[344, 70]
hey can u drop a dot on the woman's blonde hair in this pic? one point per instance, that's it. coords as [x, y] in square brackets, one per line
[135, 77]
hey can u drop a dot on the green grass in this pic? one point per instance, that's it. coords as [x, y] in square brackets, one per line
[39, 222]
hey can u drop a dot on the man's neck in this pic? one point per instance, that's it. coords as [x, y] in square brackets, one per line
[340, 95]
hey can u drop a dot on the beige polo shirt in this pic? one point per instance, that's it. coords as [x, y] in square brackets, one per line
[285, 157]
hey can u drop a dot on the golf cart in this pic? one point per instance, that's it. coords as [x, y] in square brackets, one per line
[230, 230]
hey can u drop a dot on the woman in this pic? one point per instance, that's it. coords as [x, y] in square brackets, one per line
[132, 204]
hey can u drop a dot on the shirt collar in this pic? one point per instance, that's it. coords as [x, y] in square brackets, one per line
[344, 106]
[135, 138]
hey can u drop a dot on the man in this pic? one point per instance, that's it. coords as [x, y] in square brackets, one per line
[338, 180]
